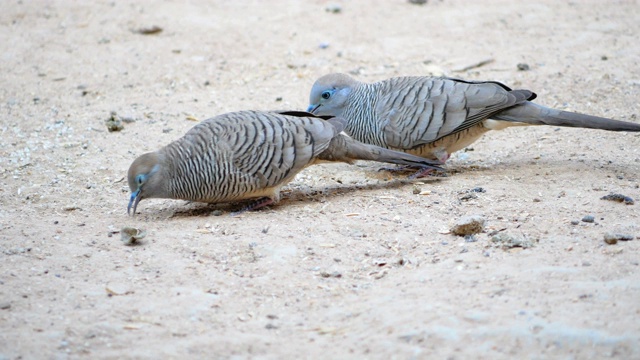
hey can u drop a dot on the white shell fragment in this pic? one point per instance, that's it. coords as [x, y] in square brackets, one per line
[131, 235]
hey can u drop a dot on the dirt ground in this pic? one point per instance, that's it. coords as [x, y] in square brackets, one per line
[353, 262]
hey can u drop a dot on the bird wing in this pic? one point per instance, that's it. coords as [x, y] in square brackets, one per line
[420, 110]
[275, 147]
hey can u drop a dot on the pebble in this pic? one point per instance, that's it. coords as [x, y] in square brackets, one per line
[588, 219]
[217, 212]
[619, 198]
[575, 222]
[523, 67]
[334, 8]
[469, 225]
[5, 305]
[114, 123]
[508, 241]
[334, 274]
[613, 238]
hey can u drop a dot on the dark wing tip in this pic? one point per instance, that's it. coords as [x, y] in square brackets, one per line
[298, 113]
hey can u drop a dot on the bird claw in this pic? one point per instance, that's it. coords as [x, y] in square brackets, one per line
[256, 204]
[398, 169]
[420, 173]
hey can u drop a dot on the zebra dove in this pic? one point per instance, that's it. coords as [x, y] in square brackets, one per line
[248, 155]
[434, 117]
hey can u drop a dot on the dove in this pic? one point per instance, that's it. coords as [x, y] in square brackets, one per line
[249, 155]
[433, 117]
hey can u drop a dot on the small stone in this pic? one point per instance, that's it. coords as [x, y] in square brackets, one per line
[619, 198]
[151, 30]
[467, 197]
[217, 212]
[334, 274]
[523, 67]
[5, 305]
[508, 241]
[334, 9]
[588, 219]
[469, 225]
[418, 2]
[114, 123]
[613, 238]
[575, 222]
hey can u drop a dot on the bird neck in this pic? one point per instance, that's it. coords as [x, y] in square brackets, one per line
[360, 113]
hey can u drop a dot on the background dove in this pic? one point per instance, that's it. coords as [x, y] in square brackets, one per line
[248, 155]
[434, 117]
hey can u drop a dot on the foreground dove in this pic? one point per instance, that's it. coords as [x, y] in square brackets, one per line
[434, 117]
[248, 155]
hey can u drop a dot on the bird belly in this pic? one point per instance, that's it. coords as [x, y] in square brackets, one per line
[270, 192]
[442, 148]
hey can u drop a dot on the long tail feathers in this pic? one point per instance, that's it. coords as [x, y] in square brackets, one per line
[535, 114]
[360, 151]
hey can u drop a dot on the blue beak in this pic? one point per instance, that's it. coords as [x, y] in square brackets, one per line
[313, 108]
[133, 201]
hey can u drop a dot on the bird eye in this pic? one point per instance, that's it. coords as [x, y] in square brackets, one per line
[140, 179]
[325, 95]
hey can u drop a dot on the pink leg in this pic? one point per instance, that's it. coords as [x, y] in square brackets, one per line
[256, 204]
[442, 155]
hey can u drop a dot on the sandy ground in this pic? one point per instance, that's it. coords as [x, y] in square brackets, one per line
[352, 263]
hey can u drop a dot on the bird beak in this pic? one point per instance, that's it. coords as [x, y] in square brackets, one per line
[135, 199]
[312, 108]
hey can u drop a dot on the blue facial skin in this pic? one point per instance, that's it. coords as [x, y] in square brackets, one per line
[326, 95]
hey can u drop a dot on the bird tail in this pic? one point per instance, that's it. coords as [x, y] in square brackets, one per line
[534, 114]
[344, 148]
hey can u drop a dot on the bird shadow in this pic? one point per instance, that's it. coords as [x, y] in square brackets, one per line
[299, 194]
[303, 194]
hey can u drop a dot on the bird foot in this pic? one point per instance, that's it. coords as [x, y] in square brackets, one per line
[398, 169]
[421, 173]
[417, 171]
[256, 204]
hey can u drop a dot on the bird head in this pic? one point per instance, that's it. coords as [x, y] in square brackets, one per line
[329, 94]
[145, 179]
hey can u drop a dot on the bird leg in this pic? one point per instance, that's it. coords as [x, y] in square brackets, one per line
[422, 173]
[253, 205]
[418, 172]
[398, 169]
